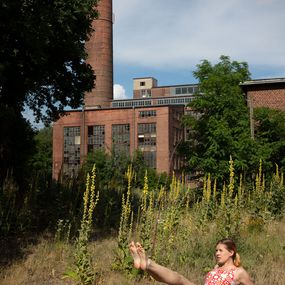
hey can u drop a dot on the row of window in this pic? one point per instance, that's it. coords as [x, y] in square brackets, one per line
[186, 90]
[131, 103]
[147, 113]
[151, 102]
[96, 140]
[175, 101]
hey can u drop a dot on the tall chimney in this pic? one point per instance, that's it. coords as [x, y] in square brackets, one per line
[100, 57]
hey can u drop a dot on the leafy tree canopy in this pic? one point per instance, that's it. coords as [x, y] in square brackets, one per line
[219, 119]
[41, 161]
[270, 136]
[42, 54]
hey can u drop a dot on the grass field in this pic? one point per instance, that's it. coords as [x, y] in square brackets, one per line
[45, 261]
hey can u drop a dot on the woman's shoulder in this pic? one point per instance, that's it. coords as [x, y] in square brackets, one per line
[240, 270]
[242, 276]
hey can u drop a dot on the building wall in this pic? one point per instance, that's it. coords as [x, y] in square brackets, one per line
[147, 88]
[73, 119]
[166, 119]
[144, 83]
[271, 96]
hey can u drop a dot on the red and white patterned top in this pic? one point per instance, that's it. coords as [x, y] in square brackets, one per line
[219, 276]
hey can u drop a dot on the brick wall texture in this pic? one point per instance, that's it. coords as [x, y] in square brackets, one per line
[271, 96]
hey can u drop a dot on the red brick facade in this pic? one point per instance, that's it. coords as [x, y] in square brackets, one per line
[168, 132]
[100, 57]
[266, 95]
[150, 122]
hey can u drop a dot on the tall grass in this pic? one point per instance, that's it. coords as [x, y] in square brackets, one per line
[179, 227]
[165, 223]
[84, 272]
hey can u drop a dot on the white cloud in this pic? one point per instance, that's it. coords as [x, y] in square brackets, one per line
[179, 33]
[119, 92]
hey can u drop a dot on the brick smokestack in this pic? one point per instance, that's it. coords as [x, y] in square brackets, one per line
[100, 57]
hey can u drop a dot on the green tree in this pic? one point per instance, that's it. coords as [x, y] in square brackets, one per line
[270, 136]
[41, 161]
[42, 54]
[111, 180]
[16, 146]
[219, 119]
[42, 63]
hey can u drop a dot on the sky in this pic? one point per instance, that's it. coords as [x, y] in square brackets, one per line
[166, 39]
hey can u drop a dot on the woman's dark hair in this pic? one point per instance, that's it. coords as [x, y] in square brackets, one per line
[231, 246]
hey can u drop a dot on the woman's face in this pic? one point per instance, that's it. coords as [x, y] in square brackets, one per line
[223, 254]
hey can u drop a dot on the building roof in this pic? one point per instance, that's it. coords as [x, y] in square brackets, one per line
[263, 81]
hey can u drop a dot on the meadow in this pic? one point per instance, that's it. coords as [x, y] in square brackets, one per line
[178, 227]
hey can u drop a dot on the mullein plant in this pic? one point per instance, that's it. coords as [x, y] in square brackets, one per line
[228, 218]
[259, 201]
[123, 260]
[146, 216]
[175, 201]
[84, 272]
[277, 194]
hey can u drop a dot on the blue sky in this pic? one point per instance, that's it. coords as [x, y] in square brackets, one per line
[166, 39]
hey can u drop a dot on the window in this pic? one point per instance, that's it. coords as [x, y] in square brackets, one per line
[96, 137]
[150, 158]
[142, 83]
[178, 91]
[149, 128]
[71, 150]
[147, 143]
[145, 93]
[131, 103]
[175, 101]
[147, 113]
[121, 138]
[186, 90]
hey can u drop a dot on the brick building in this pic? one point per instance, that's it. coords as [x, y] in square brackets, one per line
[151, 121]
[264, 93]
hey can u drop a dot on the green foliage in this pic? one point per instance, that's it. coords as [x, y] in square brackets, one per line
[123, 260]
[8, 209]
[41, 161]
[154, 222]
[16, 145]
[63, 231]
[270, 136]
[42, 49]
[84, 272]
[277, 200]
[111, 179]
[42, 67]
[166, 219]
[219, 119]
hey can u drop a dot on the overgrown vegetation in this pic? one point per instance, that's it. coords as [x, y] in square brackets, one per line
[43, 68]
[219, 120]
[243, 198]
[178, 229]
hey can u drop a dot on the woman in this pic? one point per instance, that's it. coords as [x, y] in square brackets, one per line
[227, 271]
